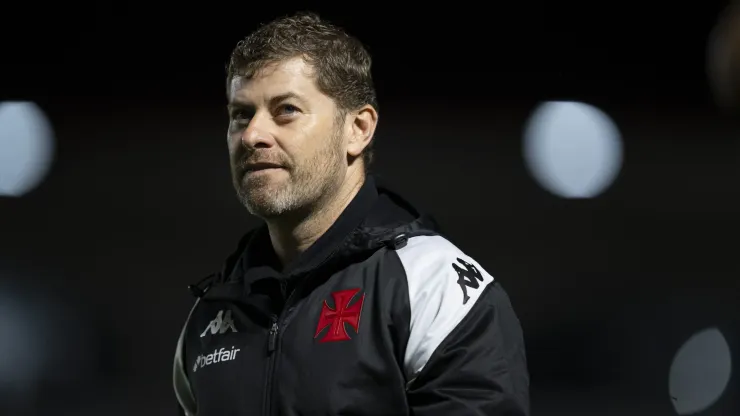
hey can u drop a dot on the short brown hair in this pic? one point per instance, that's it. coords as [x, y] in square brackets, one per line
[341, 62]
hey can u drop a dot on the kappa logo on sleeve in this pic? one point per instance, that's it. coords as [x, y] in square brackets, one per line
[467, 277]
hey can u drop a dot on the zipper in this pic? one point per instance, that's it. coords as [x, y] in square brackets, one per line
[271, 358]
[274, 334]
[271, 343]
[273, 352]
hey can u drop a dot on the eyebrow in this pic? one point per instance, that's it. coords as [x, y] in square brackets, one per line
[273, 101]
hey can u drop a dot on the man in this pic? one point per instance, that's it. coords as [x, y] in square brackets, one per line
[346, 301]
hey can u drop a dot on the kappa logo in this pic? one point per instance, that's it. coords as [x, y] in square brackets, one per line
[221, 324]
[467, 277]
[341, 313]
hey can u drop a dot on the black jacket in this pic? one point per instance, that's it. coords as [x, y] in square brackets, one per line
[381, 316]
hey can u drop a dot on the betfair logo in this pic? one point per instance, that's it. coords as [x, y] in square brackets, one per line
[217, 356]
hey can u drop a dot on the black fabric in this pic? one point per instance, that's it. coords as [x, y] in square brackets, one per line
[480, 369]
[274, 361]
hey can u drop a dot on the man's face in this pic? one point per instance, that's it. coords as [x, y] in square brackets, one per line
[286, 143]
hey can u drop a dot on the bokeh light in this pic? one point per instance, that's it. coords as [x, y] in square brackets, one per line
[700, 372]
[723, 58]
[26, 147]
[573, 150]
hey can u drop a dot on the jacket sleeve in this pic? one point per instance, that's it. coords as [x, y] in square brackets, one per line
[465, 352]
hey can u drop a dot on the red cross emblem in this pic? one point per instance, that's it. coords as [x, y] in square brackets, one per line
[341, 314]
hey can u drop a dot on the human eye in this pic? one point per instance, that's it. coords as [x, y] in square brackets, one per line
[287, 110]
[240, 116]
[240, 113]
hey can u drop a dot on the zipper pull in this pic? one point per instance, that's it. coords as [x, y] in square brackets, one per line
[272, 337]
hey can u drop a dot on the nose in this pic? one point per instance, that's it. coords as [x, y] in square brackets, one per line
[257, 134]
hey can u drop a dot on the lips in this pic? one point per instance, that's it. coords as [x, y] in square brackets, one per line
[254, 167]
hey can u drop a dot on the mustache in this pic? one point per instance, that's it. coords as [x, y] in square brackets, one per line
[263, 158]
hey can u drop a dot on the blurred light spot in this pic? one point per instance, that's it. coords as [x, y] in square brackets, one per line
[723, 58]
[26, 147]
[43, 343]
[572, 149]
[700, 372]
[22, 345]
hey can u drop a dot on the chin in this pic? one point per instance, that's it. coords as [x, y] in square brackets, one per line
[265, 209]
[266, 200]
[264, 178]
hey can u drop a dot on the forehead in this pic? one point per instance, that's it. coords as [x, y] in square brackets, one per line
[292, 76]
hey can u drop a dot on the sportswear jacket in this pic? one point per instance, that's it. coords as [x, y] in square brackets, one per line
[382, 316]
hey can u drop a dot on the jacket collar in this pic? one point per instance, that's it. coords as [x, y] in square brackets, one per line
[260, 258]
[376, 217]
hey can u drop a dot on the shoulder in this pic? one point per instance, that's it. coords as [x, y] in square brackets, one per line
[433, 264]
[444, 286]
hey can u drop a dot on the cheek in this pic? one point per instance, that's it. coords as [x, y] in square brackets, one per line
[233, 141]
[311, 144]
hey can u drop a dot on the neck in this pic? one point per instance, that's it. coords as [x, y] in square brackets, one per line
[292, 236]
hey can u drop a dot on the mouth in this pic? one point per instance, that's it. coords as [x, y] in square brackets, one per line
[256, 167]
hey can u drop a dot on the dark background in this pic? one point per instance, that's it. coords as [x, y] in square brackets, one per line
[138, 202]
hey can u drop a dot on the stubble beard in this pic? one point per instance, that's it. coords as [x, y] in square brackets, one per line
[308, 183]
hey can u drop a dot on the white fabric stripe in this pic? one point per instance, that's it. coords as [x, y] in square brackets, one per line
[435, 297]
